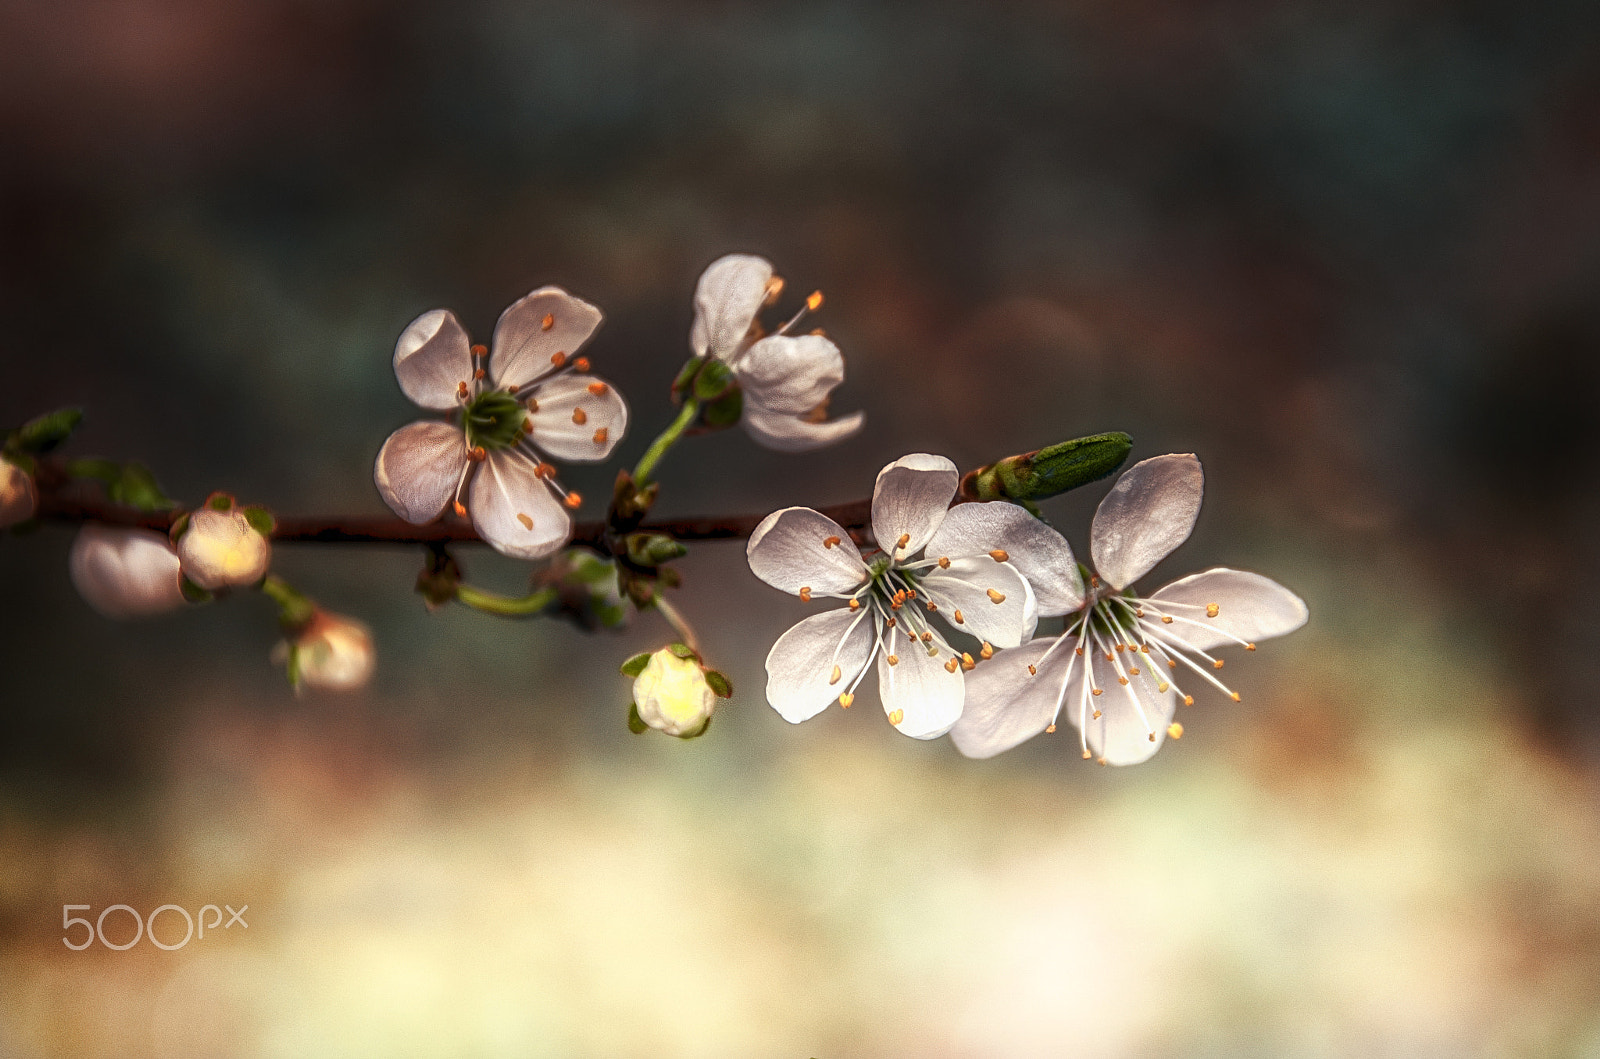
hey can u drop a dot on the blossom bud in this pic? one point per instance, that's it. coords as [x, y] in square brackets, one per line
[18, 497]
[125, 573]
[221, 549]
[672, 694]
[332, 651]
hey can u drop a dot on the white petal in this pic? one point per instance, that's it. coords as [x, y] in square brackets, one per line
[1149, 512]
[910, 499]
[1039, 553]
[125, 573]
[790, 374]
[726, 300]
[1130, 714]
[800, 665]
[432, 359]
[514, 510]
[418, 468]
[966, 585]
[787, 433]
[926, 696]
[1006, 705]
[567, 399]
[1249, 607]
[789, 551]
[524, 348]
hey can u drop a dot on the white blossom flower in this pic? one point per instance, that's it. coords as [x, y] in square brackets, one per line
[220, 549]
[672, 694]
[19, 498]
[786, 379]
[332, 652]
[125, 573]
[511, 408]
[1117, 666]
[965, 565]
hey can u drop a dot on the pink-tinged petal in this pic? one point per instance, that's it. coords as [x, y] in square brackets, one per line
[909, 502]
[1249, 608]
[798, 548]
[125, 573]
[921, 692]
[1133, 717]
[788, 433]
[726, 299]
[995, 601]
[539, 333]
[800, 666]
[432, 359]
[514, 510]
[418, 468]
[1007, 705]
[1039, 553]
[790, 374]
[577, 417]
[1149, 512]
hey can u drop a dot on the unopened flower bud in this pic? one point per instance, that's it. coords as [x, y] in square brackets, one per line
[673, 696]
[18, 497]
[221, 549]
[125, 573]
[333, 652]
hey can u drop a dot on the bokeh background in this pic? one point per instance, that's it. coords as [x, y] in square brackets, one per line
[1349, 254]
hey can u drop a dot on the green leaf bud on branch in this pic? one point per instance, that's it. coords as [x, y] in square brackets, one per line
[1047, 472]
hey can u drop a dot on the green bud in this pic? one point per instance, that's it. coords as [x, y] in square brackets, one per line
[136, 487]
[653, 549]
[1049, 471]
[44, 433]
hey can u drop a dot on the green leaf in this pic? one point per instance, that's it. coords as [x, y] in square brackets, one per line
[260, 520]
[636, 723]
[136, 487]
[719, 684]
[653, 549]
[713, 380]
[635, 665]
[44, 433]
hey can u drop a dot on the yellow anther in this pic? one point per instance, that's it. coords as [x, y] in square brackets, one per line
[830, 542]
[1087, 755]
[597, 388]
[845, 699]
[1100, 761]
[1033, 671]
[548, 322]
[833, 678]
[1121, 647]
[479, 453]
[959, 619]
[1166, 619]
[905, 539]
[999, 555]
[932, 606]
[1212, 609]
[986, 652]
[1234, 695]
[967, 662]
[1175, 730]
[944, 562]
[814, 302]
[911, 593]
[533, 405]
[1050, 729]
[1217, 664]
[996, 597]
[581, 364]
[897, 716]
[892, 621]
[952, 665]
[478, 373]
[479, 351]
[774, 288]
[1123, 681]
[461, 389]
[855, 604]
[893, 660]
[1078, 651]
[527, 523]
[1188, 700]
[1096, 691]
[572, 500]
[1109, 656]
[1095, 716]
[805, 594]
[1133, 671]
[558, 358]
[1249, 647]
[544, 470]
[1152, 737]
[927, 637]
[579, 416]
[601, 435]
[527, 424]
[1172, 663]
[1162, 687]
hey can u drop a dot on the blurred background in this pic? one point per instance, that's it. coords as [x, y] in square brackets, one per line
[1350, 255]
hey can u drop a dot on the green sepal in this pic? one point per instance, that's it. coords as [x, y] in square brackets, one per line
[636, 723]
[698, 732]
[713, 380]
[667, 577]
[635, 665]
[179, 528]
[683, 650]
[653, 549]
[724, 411]
[291, 668]
[440, 578]
[295, 609]
[220, 502]
[629, 503]
[44, 433]
[260, 520]
[1049, 471]
[193, 592]
[683, 385]
[719, 684]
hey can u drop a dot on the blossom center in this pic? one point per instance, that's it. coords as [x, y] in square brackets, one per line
[493, 420]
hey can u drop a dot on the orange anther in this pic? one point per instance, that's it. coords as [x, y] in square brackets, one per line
[597, 388]
[581, 364]
[600, 436]
[579, 416]
[558, 358]
[548, 322]
[572, 500]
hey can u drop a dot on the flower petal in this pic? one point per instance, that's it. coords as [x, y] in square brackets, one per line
[418, 468]
[1133, 717]
[790, 551]
[787, 433]
[1004, 619]
[432, 359]
[910, 499]
[1150, 511]
[790, 374]
[533, 330]
[726, 299]
[514, 510]
[921, 697]
[1006, 705]
[1039, 553]
[125, 573]
[1249, 607]
[800, 681]
[578, 417]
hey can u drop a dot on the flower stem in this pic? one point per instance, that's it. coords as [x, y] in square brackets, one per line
[664, 441]
[679, 623]
[506, 606]
[295, 609]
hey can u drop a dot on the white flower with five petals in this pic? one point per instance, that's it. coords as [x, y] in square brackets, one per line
[786, 379]
[1116, 668]
[512, 406]
[965, 565]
